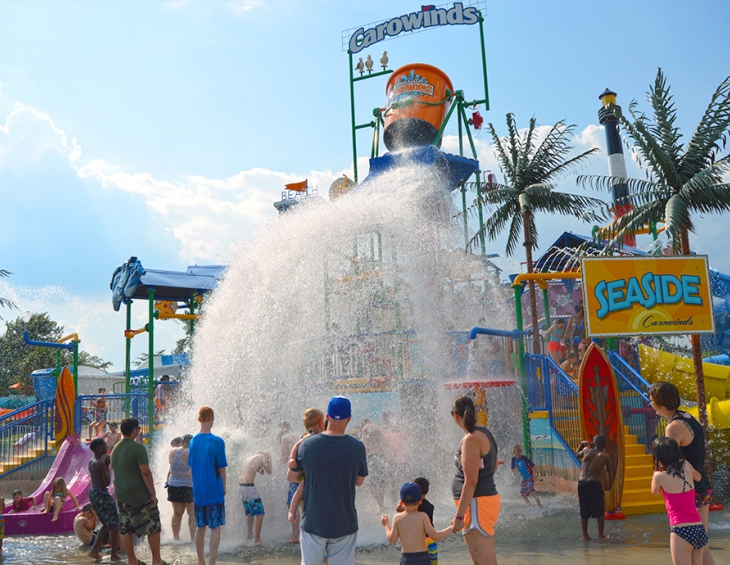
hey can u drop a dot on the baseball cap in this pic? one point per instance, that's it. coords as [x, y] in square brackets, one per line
[339, 408]
[410, 493]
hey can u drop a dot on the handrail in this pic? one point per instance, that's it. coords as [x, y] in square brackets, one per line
[620, 365]
[514, 334]
[26, 435]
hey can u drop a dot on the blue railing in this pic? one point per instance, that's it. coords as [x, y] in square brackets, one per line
[549, 388]
[638, 414]
[26, 434]
[116, 410]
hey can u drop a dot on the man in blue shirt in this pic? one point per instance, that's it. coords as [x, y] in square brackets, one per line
[333, 464]
[207, 460]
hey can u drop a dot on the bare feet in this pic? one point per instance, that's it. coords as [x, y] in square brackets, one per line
[55, 518]
[586, 537]
[292, 539]
[115, 558]
[257, 542]
[538, 504]
[602, 537]
[96, 556]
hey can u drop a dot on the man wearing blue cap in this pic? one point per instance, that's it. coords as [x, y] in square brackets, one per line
[333, 464]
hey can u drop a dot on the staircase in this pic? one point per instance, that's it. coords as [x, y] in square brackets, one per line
[638, 471]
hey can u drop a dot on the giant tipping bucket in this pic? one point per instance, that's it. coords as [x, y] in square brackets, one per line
[417, 106]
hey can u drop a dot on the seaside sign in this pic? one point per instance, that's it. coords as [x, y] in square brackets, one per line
[428, 16]
[627, 296]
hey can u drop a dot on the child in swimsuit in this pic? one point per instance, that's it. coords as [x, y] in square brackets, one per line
[56, 497]
[675, 478]
[555, 333]
[97, 426]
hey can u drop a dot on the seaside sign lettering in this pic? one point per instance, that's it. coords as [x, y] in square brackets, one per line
[627, 296]
[428, 16]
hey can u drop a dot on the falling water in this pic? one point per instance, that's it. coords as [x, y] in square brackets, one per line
[334, 298]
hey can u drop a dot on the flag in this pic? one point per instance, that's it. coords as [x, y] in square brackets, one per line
[297, 186]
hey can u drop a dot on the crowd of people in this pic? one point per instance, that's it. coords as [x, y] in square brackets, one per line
[326, 465]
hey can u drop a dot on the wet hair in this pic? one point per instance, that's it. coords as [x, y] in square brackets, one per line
[423, 483]
[96, 445]
[186, 440]
[176, 442]
[113, 425]
[464, 407]
[560, 320]
[517, 447]
[312, 417]
[128, 425]
[87, 507]
[667, 456]
[17, 492]
[58, 484]
[572, 355]
[285, 425]
[205, 414]
[665, 395]
[599, 441]
[579, 308]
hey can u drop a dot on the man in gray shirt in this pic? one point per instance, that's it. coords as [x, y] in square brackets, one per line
[333, 464]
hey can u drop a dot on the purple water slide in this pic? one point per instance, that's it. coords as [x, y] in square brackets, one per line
[71, 463]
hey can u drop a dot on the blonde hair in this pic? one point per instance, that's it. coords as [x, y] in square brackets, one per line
[205, 414]
[58, 484]
[312, 417]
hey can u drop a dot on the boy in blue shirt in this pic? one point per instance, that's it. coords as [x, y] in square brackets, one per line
[523, 466]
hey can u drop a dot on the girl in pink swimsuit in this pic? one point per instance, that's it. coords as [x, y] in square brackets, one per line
[675, 479]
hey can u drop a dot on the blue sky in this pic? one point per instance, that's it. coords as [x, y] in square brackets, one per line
[167, 129]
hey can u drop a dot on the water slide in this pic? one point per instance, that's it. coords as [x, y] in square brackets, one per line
[72, 464]
[662, 366]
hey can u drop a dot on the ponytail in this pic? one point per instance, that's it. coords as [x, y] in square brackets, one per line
[465, 408]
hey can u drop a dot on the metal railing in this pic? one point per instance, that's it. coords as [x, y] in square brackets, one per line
[638, 414]
[116, 410]
[26, 435]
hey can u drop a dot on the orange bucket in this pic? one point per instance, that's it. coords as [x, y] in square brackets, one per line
[415, 111]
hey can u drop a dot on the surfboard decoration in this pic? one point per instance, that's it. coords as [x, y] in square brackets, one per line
[65, 400]
[600, 413]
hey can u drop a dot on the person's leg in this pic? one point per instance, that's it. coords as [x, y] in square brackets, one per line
[481, 548]
[341, 551]
[681, 550]
[114, 538]
[57, 505]
[154, 541]
[601, 523]
[249, 527]
[537, 498]
[257, 533]
[178, 509]
[98, 543]
[312, 548]
[200, 544]
[127, 543]
[190, 508]
[584, 525]
[213, 543]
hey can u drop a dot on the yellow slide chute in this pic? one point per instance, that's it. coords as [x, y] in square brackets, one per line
[662, 366]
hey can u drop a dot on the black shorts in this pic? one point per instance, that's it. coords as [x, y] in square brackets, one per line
[590, 497]
[417, 558]
[180, 494]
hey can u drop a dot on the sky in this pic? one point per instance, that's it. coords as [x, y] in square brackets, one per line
[167, 129]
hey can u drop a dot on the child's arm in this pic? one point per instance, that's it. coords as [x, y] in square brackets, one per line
[435, 535]
[391, 533]
[298, 495]
[294, 453]
[584, 445]
[656, 487]
[550, 330]
[76, 502]
[696, 475]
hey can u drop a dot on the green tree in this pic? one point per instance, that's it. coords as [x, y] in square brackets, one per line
[4, 302]
[681, 180]
[530, 168]
[18, 360]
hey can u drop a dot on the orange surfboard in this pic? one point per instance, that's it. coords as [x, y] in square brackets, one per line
[600, 413]
[65, 401]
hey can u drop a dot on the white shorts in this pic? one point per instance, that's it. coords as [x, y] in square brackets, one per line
[339, 551]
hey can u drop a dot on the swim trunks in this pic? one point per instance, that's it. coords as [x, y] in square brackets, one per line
[590, 497]
[104, 506]
[212, 515]
[695, 535]
[292, 490]
[482, 514]
[554, 346]
[415, 558]
[703, 498]
[143, 519]
[527, 486]
[252, 504]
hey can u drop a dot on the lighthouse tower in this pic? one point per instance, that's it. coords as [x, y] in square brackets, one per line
[616, 163]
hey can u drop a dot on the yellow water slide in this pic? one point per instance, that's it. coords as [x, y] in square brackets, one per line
[662, 366]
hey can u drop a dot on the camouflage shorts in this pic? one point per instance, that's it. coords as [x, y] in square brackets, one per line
[142, 520]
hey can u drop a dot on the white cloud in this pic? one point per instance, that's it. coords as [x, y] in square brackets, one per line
[241, 7]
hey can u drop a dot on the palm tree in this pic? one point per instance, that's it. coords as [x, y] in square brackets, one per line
[4, 302]
[680, 180]
[530, 167]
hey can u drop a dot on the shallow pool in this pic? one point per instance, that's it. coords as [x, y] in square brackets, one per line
[526, 537]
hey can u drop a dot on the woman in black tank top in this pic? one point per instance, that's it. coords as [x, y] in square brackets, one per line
[473, 488]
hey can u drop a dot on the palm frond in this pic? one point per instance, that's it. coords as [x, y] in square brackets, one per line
[676, 216]
[665, 114]
[611, 236]
[708, 199]
[544, 199]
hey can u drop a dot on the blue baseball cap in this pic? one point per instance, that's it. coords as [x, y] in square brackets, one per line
[339, 408]
[410, 493]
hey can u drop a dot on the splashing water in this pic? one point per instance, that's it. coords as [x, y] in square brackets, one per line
[337, 298]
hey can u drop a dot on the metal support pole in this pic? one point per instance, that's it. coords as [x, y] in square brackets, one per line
[484, 60]
[151, 365]
[128, 360]
[352, 113]
[76, 367]
[523, 372]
